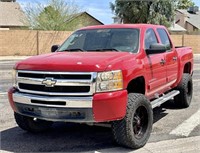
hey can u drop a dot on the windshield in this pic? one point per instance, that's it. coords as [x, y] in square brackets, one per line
[125, 40]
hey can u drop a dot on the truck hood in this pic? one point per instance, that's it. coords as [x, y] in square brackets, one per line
[72, 61]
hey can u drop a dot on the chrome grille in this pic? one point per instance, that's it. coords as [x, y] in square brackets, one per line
[56, 83]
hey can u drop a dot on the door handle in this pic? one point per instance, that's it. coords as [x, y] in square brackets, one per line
[162, 62]
[174, 58]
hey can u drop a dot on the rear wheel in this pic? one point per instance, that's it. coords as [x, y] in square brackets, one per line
[185, 87]
[31, 124]
[134, 130]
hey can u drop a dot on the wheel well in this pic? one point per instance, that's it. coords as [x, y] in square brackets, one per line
[136, 85]
[187, 68]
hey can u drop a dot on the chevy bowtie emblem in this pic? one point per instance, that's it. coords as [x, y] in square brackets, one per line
[49, 82]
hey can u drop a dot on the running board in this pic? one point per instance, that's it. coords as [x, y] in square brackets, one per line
[163, 99]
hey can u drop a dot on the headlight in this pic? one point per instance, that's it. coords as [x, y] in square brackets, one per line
[14, 77]
[109, 81]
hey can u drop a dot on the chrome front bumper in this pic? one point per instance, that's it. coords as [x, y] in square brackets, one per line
[70, 102]
[73, 109]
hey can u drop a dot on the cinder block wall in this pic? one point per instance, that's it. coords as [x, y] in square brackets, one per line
[177, 40]
[48, 38]
[193, 41]
[31, 42]
[18, 42]
[187, 40]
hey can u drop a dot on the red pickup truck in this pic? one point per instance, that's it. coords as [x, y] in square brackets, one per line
[112, 74]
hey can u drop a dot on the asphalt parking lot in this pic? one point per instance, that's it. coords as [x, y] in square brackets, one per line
[174, 130]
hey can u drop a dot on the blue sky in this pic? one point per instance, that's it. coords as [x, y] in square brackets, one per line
[100, 9]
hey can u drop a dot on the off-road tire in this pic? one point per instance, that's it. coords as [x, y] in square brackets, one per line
[185, 87]
[31, 125]
[125, 130]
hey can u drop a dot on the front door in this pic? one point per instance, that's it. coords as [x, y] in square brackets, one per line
[158, 68]
[157, 64]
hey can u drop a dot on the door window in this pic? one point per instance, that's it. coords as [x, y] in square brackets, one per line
[150, 38]
[164, 38]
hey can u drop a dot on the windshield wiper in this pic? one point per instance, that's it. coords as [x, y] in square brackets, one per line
[106, 49]
[100, 49]
[73, 50]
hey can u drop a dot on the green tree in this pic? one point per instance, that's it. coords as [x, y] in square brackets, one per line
[185, 4]
[53, 16]
[140, 11]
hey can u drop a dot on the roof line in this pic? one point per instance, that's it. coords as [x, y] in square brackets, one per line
[79, 14]
[180, 11]
[193, 25]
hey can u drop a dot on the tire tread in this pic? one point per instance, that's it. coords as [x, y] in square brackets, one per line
[121, 130]
[182, 100]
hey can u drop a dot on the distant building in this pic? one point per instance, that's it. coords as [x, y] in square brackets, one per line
[81, 20]
[188, 19]
[11, 16]
[117, 20]
[175, 28]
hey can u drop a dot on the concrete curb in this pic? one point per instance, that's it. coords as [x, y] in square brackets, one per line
[8, 58]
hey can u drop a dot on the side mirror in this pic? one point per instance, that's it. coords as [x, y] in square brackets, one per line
[54, 48]
[156, 49]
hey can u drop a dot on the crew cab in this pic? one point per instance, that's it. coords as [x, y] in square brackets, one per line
[112, 74]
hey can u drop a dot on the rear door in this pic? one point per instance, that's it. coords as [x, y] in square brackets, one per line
[157, 64]
[170, 56]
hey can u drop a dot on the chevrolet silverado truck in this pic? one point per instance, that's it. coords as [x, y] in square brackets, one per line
[112, 74]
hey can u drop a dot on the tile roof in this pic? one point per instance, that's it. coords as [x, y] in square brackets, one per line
[193, 19]
[11, 14]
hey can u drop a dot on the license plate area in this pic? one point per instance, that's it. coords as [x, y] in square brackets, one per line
[66, 114]
[48, 112]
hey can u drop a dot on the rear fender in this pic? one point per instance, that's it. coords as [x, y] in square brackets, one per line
[185, 59]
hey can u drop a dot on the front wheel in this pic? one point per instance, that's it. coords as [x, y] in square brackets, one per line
[134, 129]
[30, 124]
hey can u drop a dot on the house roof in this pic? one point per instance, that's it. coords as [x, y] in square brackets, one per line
[193, 19]
[177, 28]
[82, 13]
[11, 14]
